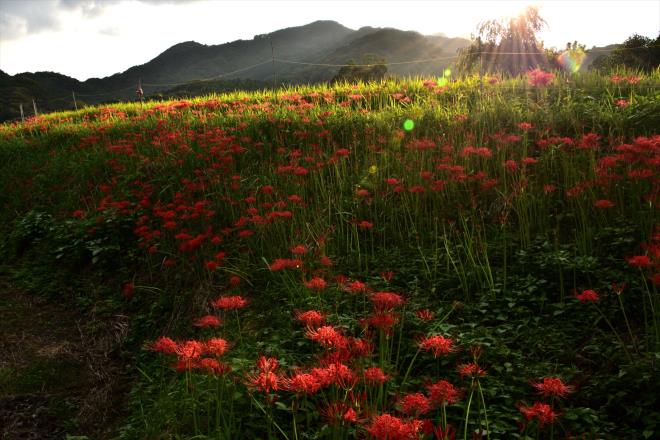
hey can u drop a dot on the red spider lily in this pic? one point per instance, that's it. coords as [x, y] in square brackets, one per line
[365, 225]
[311, 318]
[360, 348]
[375, 376]
[587, 296]
[471, 370]
[207, 321]
[553, 387]
[356, 287]
[424, 314]
[639, 261]
[230, 302]
[442, 392]
[537, 78]
[211, 265]
[325, 261]
[415, 404]
[235, 281]
[190, 350]
[285, 263]
[127, 290]
[525, 126]
[336, 413]
[327, 336]
[383, 321]
[164, 345]
[216, 346]
[387, 275]
[316, 284]
[438, 345]
[337, 374]
[299, 250]
[603, 204]
[362, 193]
[267, 363]
[388, 427]
[302, 383]
[264, 381]
[622, 103]
[385, 301]
[212, 366]
[541, 411]
[444, 434]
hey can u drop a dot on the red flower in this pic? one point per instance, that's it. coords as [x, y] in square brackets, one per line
[384, 301]
[207, 321]
[356, 287]
[267, 363]
[230, 302]
[375, 376]
[365, 225]
[265, 381]
[603, 204]
[415, 404]
[424, 314]
[213, 366]
[471, 370]
[299, 250]
[386, 427]
[311, 318]
[216, 346]
[537, 78]
[587, 296]
[190, 350]
[164, 345]
[438, 345]
[553, 387]
[302, 383]
[442, 392]
[127, 290]
[316, 283]
[383, 321]
[327, 336]
[639, 261]
[541, 411]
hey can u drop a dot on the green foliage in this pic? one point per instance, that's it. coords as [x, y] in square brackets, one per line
[636, 53]
[373, 68]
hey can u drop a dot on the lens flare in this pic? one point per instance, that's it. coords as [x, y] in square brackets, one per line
[571, 60]
[408, 125]
[442, 82]
[446, 73]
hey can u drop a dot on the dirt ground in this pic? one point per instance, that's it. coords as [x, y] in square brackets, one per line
[60, 372]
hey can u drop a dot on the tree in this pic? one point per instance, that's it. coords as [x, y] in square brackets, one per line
[373, 68]
[508, 46]
[637, 52]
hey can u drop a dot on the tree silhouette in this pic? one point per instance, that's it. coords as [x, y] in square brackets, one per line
[507, 45]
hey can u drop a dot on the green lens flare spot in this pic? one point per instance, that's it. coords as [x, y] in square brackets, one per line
[442, 82]
[408, 125]
[446, 73]
[373, 169]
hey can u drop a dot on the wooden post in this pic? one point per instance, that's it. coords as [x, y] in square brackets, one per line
[139, 92]
[34, 106]
[22, 115]
[75, 104]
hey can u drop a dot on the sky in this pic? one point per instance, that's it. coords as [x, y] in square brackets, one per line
[97, 38]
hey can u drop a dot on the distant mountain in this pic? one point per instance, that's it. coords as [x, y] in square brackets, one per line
[320, 42]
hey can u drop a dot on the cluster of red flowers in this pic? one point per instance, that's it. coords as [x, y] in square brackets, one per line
[189, 354]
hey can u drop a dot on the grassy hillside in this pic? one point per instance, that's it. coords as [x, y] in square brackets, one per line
[409, 259]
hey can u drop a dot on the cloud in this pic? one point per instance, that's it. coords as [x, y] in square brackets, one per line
[19, 18]
[110, 32]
